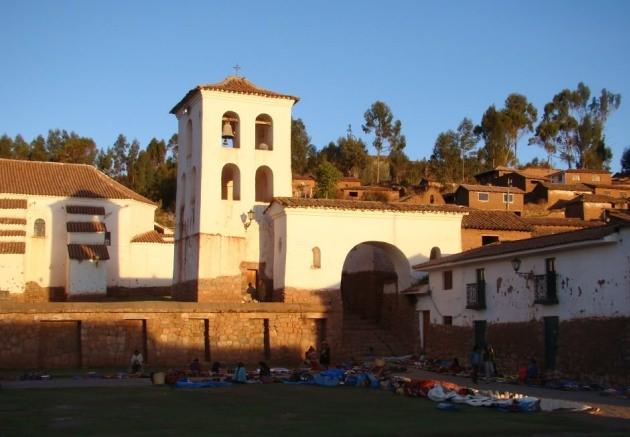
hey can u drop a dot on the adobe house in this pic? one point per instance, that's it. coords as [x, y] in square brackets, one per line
[581, 175]
[68, 231]
[561, 299]
[556, 225]
[348, 182]
[303, 186]
[428, 192]
[488, 177]
[370, 192]
[550, 192]
[490, 197]
[520, 179]
[613, 190]
[592, 206]
[480, 228]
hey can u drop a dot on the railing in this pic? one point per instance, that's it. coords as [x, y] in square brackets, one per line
[545, 291]
[476, 296]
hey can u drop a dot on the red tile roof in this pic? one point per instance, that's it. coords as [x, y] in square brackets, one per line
[12, 233]
[494, 220]
[562, 222]
[13, 204]
[82, 252]
[12, 221]
[235, 85]
[528, 244]
[294, 202]
[61, 179]
[491, 188]
[551, 186]
[85, 210]
[150, 237]
[12, 247]
[86, 227]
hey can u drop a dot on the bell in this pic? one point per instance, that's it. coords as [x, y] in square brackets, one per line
[227, 133]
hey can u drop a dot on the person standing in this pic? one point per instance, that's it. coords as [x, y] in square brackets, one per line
[475, 360]
[137, 361]
[324, 355]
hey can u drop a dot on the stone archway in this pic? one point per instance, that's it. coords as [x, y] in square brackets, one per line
[373, 274]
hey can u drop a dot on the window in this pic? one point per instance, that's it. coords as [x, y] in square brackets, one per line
[264, 132]
[550, 265]
[230, 182]
[596, 178]
[231, 130]
[508, 198]
[39, 230]
[489, 239]
[317, 258]
[575, 177]
[264, 184]
[431, 199]
[483, 197]
[447, 280]
[447, 320]
[353, 193]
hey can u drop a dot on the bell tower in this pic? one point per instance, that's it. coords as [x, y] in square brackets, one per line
[234, 156]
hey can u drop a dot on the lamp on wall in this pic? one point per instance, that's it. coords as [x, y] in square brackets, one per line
[516, 265]
[249, 219]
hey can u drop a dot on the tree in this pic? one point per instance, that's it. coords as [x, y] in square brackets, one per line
[6, 146]
[38, 149]
[21, 149]
[452, 150]
[55, 141]
[625, 161]
[77, 150]
[494, 132]
[131, 159]
[105, 161]
[573, 126]
[352, 154]
[302, 151]
[519, 116]
[326, 177]
[379, 120]
[467, 140]
[119, 151]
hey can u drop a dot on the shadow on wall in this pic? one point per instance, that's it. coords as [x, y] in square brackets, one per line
[94, 341]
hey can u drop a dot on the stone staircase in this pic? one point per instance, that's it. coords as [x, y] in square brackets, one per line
[360, 334]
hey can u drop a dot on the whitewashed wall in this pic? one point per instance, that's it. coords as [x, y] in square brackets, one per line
[86, 277]
[408, 237]
[592, 282]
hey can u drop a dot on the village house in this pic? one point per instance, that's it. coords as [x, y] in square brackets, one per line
[581, 175]
[490, 198]
[614, 189]
[562, 299]
[549, 193]
[592, 206]
[67, 231]
[370, 192]
[555, 225]
[303, 186]
[480, 228]
[428, 192]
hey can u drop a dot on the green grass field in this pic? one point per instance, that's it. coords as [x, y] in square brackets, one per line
[266, 410]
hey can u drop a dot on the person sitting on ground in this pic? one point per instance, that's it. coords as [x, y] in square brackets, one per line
[532, 371]
[379, 368]
[264, 373]
[217, 368]
[137, 361]
[195, 367]
[324, 355]
[240, 374]
[455, 367]
[310, 358]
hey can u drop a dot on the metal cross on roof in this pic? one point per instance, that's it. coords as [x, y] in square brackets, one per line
[236, 69]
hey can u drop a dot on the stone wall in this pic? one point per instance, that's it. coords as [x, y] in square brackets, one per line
[54, 335]
[472, 238]
[594, 349]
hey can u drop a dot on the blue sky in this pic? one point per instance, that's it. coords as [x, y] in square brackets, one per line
[103, 68]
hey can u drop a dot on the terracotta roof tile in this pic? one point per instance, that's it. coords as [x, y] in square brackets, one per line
[233, 84]
[86, 227]
[565, 187]
[608, 186]
[12, 221]
[86, 210]
[596, 198]
[562, 222]
[12, 247]
[13, 204]
[491, 188]
[494, 220]
[82, 252]
[60, 179]
[617, 215]
[12, 233]
[294, 202]
[149, 237]
[528, 244]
